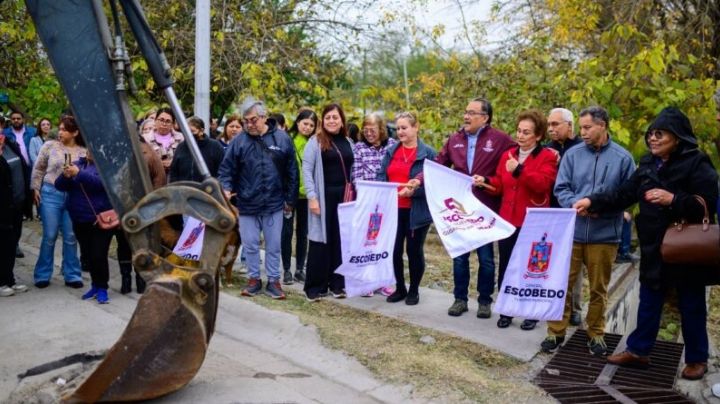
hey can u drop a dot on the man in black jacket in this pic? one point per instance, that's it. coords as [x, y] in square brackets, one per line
[14, 181]
[260, 169]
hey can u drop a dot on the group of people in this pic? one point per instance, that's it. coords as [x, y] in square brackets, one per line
[292, 181]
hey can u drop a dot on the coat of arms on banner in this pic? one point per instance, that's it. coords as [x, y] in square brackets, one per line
[194, 234]
[373, 227]
[539, 260]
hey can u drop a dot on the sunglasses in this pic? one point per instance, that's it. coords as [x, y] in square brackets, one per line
[657, 134]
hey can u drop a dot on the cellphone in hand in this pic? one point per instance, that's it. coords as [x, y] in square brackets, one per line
[68, 160]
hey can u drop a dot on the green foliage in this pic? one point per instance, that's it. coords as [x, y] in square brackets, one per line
[562, 53]
[24, 73]
[561, 58]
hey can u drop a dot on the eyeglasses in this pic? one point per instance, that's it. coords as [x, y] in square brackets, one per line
[370, 130]
[165, 121]
[657, 134]
[251, 121]
[475, 113]
[555, 124]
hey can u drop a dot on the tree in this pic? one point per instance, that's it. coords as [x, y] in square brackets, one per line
[25, 73]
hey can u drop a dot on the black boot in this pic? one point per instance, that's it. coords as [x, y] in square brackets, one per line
[139, 283]
[126, 274]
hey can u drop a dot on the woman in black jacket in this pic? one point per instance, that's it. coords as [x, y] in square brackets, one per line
[665, 185]
[183, 167]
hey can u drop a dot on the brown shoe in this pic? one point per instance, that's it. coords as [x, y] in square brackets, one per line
[630, 360]
[694, 371]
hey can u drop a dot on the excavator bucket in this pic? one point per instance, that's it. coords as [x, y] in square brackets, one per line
[165, 342]
[160, 351]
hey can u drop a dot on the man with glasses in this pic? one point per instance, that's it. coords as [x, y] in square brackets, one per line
[562, 137]
[475, 150]
[560, 129]
[600, 165]
[260, 169]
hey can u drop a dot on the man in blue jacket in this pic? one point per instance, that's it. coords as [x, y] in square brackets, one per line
[260, 169]
[600, 165]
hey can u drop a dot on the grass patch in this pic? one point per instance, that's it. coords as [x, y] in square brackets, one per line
[448, 369]
[713, 324]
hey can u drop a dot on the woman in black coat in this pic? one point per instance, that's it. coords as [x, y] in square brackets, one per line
[665, 185]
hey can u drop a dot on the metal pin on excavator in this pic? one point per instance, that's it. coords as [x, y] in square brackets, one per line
[165, 342]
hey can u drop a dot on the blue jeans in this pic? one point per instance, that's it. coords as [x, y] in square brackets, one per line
[55, 218]
[693, 315]
[624, 247]
[271, 227]
[486, 275]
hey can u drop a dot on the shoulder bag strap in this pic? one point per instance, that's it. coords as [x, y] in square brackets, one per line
[88, 199]
[342, 161]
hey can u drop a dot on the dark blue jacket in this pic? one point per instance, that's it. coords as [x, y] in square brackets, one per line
[419, 211]
[77, 204]
[29, 133]
[261, 171]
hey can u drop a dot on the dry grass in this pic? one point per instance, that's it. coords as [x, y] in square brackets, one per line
[448, 370]
[713, 323]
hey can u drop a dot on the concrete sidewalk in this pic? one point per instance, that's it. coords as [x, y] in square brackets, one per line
[431, 313]
[256, 355]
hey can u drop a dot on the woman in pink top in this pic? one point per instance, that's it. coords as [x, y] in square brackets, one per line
[163, 139]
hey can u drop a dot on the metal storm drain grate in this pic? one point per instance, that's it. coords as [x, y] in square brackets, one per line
[575, 376]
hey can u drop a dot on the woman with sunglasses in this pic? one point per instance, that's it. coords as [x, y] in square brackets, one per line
[666, 184]
[164, 140]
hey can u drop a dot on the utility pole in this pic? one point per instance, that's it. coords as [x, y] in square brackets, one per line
[364, 82]
[202, 61]
[407, 88]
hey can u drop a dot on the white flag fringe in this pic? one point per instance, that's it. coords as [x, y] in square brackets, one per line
[190, 243]
[462, 221]
[367, 236]
[536, 280]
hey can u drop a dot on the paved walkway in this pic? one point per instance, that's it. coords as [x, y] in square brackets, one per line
[256, 355]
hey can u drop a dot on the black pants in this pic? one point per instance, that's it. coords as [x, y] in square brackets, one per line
[505, 248]
[9, 238]
[414, 240]
[301, 242]
[95, 244]
[325, 258]
[124, 255]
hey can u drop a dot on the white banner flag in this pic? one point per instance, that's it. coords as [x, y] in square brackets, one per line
[462, 221]
[367, 236]
[190, 243]
[535, 283]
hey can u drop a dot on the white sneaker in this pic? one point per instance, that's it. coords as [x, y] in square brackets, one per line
[6, 291]
[19, 288]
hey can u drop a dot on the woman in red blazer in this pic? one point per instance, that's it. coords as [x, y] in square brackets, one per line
[524, 178]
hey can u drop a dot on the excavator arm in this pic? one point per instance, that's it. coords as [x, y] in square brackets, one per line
[165, 342]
